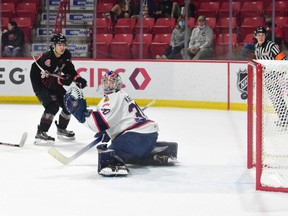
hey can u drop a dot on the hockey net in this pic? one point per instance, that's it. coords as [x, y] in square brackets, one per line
[267, 124]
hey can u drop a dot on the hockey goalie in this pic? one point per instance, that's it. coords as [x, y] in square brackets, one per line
[117, 117]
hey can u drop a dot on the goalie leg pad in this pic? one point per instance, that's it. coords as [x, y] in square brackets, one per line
[163, 154]
[166, 148]
[109, 164]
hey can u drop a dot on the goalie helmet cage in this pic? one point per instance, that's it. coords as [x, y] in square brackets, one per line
[267, 135]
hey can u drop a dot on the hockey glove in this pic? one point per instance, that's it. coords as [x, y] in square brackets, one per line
[81, 82]
[76, 106]
[65, 79]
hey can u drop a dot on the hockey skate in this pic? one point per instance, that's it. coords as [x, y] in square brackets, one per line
[64, 135]
[109, 164]
[42, 138]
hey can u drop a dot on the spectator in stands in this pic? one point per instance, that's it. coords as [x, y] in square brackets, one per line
[124, 9]
[12, 40]
[148, 8]
[201, 42]
[177, 41]
[178, 9]
[163, 9]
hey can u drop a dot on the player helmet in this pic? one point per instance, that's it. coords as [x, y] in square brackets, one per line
[111, 82]
[59, 39]
[260, 30]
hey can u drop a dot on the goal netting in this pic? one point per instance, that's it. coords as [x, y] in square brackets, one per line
[268, 123]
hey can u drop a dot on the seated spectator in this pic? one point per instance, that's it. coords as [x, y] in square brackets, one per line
[148, 8]
[177, 41]
[201, 42]
[12, 40]
[163, 9]
[124, 9]
[178, 9]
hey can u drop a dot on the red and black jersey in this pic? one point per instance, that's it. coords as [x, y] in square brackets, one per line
[49, 62]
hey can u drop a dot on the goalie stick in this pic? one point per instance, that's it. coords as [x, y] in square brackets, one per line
[47, 72]
[66, 160]
[21, 143]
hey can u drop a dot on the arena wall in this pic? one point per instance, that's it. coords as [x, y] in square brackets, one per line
[185, 84]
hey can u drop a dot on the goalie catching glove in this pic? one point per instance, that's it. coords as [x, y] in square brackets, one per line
[76, 105]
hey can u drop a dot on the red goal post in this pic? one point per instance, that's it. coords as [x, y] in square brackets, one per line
[267, 125]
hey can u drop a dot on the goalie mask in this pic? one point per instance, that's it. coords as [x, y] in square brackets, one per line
[111, 82]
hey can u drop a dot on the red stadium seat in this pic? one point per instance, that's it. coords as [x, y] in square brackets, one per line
[223, 25]
[249, 25]
[281, 21]
[4, 22]
[159, 45]
[103, 8]
[124, 26]
[148, 24]
[222, 45]
[27, 10]
[225, 9]
[251, 9]
[25, 24]
[103, 26]
[121, 46]
[140, 50]
[164, 25]
[146, 38]
[191, 22]
[103, 42]
[8, 9]
[208, 9]
[136, 46]
[281, 8]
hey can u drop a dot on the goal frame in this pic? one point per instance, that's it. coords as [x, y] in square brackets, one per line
[254, 129]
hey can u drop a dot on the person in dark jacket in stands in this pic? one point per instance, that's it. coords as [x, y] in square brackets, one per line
[12, 40]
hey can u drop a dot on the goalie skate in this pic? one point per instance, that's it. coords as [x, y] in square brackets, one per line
[113, 171]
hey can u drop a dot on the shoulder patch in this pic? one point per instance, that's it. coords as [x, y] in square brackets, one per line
[106, 99]
[48, 63]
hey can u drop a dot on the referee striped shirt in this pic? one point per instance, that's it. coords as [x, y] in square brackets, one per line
[269, 51]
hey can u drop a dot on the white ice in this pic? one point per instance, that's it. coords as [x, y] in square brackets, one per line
[211, 178]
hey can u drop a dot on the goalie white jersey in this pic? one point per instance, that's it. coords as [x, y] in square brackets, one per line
[118, 113]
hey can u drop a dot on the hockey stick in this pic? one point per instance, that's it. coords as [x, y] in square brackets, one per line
[21, 143]
[47, 72]
[149, 105]
[66, 160]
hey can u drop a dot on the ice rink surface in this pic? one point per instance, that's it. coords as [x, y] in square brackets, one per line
[210, 179]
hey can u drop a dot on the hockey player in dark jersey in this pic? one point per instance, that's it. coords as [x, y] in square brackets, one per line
[268, 50]
[48, 74]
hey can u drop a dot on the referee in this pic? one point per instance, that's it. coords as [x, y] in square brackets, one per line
[268, 50]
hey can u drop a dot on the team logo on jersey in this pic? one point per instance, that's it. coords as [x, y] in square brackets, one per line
[48, 62]
[106, 99]
[242, 83]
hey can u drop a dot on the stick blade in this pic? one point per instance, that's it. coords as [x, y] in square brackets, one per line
[58, 156]
[23, 139]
